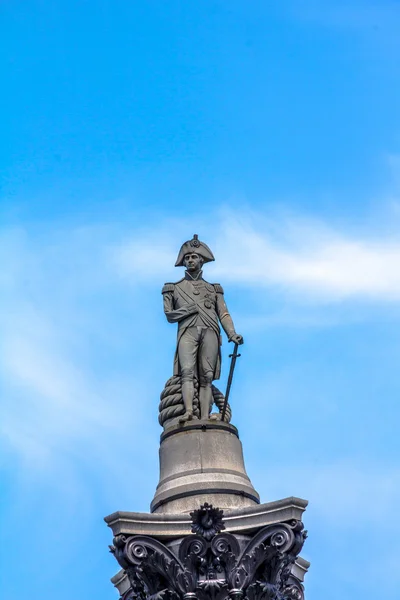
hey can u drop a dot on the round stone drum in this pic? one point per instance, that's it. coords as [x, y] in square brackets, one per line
[202, 461]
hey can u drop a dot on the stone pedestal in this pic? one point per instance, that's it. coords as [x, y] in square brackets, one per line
[202, 461]
[207, 536]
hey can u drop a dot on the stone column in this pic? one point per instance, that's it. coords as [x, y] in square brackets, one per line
[188, 549]
[213, 564]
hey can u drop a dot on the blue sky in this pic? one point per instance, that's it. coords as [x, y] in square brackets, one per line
[272, 130]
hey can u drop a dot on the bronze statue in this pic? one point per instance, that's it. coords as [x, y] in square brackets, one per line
[198, 307]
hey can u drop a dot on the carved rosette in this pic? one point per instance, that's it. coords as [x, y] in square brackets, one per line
[214, 567]
[207, 521]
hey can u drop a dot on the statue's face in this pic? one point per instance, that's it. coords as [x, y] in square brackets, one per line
[192, 261]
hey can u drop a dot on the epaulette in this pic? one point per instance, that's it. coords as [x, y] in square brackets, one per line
[218, 288]
[168, 287]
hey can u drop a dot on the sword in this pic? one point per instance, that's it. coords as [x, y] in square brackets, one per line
[233, 358]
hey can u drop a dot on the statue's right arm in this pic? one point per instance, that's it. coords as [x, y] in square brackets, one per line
[174, 315]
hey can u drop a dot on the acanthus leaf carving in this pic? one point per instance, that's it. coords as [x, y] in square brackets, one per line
[214, 568]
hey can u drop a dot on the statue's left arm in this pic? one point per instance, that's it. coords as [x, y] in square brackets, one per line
[225, 318]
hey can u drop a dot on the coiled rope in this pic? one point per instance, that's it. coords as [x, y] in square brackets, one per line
[171, 403]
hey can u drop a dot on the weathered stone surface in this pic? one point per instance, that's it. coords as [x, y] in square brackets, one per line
[122, 584]
[213, 564]
[202, 462]
[243, 521]
[207, 536]
[199, 308]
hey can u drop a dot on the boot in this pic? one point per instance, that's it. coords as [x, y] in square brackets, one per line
[205, 400]
[187, 396]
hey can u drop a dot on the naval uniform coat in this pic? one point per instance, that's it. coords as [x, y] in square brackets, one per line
[192, 303]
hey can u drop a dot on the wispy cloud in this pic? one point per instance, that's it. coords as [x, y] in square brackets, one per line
[61, 408]
[307, 259]
[79, 403]
[67, 292]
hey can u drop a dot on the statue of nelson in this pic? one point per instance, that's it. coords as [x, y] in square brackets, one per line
[198, 307]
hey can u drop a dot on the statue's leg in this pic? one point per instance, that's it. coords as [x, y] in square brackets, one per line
[187, 353]
[207, 361]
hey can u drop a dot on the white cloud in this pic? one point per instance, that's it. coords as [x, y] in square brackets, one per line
[63, 389]
[50, 400]
[74, 422]
[308, 259]
[60, 410]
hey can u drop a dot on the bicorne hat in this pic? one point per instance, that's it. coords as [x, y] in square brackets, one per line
[194, 245]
